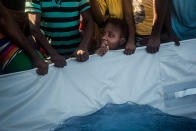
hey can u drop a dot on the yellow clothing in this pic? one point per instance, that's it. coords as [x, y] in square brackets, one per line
[114, 8]
[143, 16]
[108, 8]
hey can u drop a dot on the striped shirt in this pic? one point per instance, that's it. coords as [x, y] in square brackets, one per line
[60, 21]
[7, 51]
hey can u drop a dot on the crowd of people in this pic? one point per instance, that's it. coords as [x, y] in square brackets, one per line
[34, 33]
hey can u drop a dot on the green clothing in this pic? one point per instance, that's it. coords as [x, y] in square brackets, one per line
[20, 62]
[60, 22]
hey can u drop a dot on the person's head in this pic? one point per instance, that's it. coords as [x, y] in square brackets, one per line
[115, 33]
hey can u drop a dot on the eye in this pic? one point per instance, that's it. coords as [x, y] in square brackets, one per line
[103, 33]
[111, 35]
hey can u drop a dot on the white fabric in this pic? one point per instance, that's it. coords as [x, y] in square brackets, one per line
[32, 102]
[184, 93]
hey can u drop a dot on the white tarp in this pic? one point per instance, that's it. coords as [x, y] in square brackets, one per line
[166, 80]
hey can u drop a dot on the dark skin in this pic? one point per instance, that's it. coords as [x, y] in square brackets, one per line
[21, 19]
[98, 17]
[111, 39]
[9, 28]
[161, 18]
[128, 12]
[34, 23]
[81, 54]
[160, 10]
[170, 33]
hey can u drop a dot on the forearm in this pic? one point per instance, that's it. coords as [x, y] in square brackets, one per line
[131, 26]
[11, 30]
[19, 16]
[21, 19]
[88, 33]
[42, 41]
[131, 37]
[160, 8]
[34, 24]
[128, 13]
[96, 12]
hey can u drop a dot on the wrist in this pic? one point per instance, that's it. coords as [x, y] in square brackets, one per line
[82, 47]
[52, 52]
[132, 41]
[35, 57]
[155, 34]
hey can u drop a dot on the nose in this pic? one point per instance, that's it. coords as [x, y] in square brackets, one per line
[104, 37]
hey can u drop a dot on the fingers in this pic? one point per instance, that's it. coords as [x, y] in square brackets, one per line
[153, 44]
[152, 49]
[129, 51]
[102, 51]
[177, 43]
[82, 56]
[130, 48]
[43, 69]
[174, 38]
[60, 63]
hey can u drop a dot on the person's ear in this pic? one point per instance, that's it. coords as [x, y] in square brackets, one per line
[122, 41]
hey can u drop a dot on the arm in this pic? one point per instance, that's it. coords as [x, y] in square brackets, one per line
[34, 23]
[82, 52]
[96, 12]
[21, 19]
[160, 10]
[10, 28]
[171, 35]
[128, 13]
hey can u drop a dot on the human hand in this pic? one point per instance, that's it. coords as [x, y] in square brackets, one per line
[153, 44]
[58, 60]
[41, 65]
[174, 38]
[102, 50]
[81, 55]
[129, 48]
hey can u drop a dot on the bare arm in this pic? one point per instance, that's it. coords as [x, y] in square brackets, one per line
[96, 12]
[18, 16]
[11, 29]
[21, 19]
[88, 33]
[82, 52]
[128, 14]
[34, 23]
[160, 8]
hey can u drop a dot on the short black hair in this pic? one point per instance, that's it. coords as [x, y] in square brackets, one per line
[121, 24]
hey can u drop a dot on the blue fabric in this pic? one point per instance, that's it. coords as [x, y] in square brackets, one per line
[128, 117]
[184, 18]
